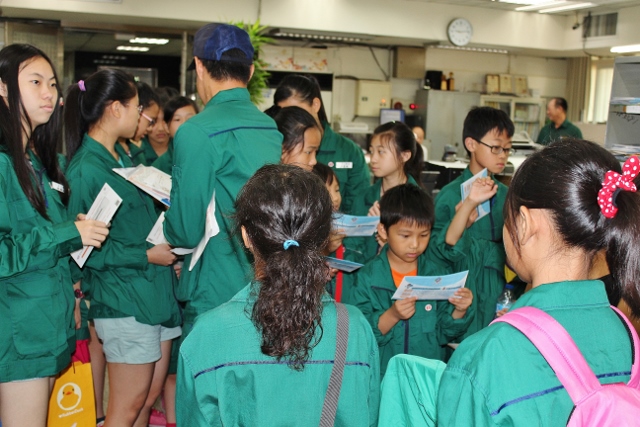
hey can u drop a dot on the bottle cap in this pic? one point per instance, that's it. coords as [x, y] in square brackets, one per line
[509, 286]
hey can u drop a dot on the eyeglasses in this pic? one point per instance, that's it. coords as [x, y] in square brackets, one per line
[496, 149]
[151, 121]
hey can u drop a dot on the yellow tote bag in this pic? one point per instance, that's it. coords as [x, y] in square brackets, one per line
[72, 402]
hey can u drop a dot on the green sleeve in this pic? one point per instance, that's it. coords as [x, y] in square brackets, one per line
[38, 249]
[193, 180]
[189, 412]
[450, 329]
[460, 402]
[374, 384]
[363, 298]
[113, 253]
[445, 253]
[357, 182]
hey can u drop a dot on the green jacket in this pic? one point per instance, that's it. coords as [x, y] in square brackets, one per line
[136, 154]
[431, 328]
[483, 242]
[368, 245]
[37, 330]
[121, 281]
[550, 133]
[347, 161]
[498, 378]
[149, 153]
[165, 162]
[225, 379]
[217, 150]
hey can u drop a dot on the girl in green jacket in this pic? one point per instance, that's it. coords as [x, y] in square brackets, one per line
[565, 204]
[301, 137]
[338, 152]
[395, 160]
[265, 357]
[131, 282]
[37, 330]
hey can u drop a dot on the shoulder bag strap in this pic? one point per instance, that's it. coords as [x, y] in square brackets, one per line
[557, 347]
[634, 381]
[330, 405]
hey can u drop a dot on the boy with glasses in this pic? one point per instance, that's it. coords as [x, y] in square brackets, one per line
[487, 134]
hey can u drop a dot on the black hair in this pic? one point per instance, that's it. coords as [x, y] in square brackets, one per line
[164, 94]
[272, 111]
[177, 103]
[229, 70]
[45, 138]
[406, 203]
[401, 138]
[562, 103]
[303, 87]
[146, 95]
[325, 173]
[482, 120]
[565, 179]
[292, 123]
[280, 203]
[84, 109]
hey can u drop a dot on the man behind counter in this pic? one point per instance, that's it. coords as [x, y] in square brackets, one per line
[559, 126]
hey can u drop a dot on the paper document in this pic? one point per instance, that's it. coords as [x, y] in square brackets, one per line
[156, 237]
[356, 225]
[103, 208]
[342, 264]
[465, 188]
[150, 180]
[211, 228]
[431, 287]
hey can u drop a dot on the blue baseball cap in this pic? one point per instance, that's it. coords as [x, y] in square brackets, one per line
[212, 41]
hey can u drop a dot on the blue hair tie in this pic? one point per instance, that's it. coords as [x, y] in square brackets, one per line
[288, 243]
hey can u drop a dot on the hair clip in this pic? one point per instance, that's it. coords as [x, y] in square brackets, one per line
[81, 86]
[614, 183]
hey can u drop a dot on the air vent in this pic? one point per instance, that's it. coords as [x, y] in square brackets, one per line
[600, 25]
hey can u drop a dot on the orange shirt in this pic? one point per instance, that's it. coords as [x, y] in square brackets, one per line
[397, 276]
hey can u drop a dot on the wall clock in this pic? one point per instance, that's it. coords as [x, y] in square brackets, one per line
[459, 32]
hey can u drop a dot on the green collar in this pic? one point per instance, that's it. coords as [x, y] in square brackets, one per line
[245, 294]
[329, 138]
[565, 295]
[99, 150]
[235, 94]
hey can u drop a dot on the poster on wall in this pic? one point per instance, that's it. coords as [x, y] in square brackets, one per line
[506, 84]
[521, 86]
[278, 58]
[310, 60]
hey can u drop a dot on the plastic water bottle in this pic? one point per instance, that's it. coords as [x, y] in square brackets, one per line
[506, 298]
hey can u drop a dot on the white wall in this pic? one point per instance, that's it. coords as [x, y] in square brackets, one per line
[548, 76]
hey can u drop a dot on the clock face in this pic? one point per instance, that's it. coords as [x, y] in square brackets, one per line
[459, 32]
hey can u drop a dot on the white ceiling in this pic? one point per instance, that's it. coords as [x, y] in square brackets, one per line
[601, 6]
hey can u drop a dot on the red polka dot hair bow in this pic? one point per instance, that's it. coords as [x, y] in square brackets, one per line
[614, 183]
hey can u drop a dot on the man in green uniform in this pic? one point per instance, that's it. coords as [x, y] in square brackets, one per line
[558, 126]
[215, 153]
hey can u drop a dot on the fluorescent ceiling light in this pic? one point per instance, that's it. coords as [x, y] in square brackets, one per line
[524, 1]
[626, 49]
[567, 7]
[133, 48]
[471, 49]
[149, 40]
[541, 5]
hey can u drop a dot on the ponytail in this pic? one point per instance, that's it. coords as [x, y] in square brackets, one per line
[87, 101]
[622, 239]
[283, 203]
[565, 179]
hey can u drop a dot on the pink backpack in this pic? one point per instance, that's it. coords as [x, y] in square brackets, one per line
[595, 404]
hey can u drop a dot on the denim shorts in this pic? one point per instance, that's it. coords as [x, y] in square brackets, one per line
[125, 340]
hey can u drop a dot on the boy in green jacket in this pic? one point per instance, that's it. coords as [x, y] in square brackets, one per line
[487, 136]
[422, 328]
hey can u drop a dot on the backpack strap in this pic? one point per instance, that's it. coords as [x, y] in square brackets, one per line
[634, 381]
[330, 405]
[557, 347]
